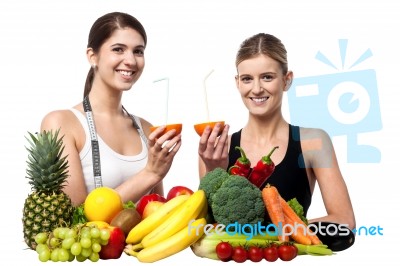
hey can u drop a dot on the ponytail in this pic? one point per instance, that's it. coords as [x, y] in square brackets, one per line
[89, 82]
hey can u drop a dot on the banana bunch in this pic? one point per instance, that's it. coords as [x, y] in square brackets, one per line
[176, 225]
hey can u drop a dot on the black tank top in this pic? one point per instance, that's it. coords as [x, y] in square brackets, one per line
[289, 176]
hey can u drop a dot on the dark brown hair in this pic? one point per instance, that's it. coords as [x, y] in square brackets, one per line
[102, 29]
[265, 44]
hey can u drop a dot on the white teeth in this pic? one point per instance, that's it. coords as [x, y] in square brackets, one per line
[126, 73]
[259, 100]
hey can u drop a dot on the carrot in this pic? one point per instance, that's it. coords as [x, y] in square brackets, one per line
[299, 235]
[289, 212]
[272, 203]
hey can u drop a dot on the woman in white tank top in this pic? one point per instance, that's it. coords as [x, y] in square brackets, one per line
[127, 156]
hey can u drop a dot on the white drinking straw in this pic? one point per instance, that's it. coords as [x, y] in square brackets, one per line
[205, 93]
[167, 100]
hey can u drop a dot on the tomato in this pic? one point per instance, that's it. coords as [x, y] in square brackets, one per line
[146, 199]
[255, 253]
[271, 253]
[239, 254]
[224, 251]
[286, 252]
[295, 250]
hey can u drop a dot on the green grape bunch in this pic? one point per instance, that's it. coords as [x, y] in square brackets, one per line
[81, 242]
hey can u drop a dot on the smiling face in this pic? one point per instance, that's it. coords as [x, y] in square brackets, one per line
[261, 84]
[120, 60]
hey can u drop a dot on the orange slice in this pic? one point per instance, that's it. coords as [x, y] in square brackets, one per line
[199, 128]
[177, 127]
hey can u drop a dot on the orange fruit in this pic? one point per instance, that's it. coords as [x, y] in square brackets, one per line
[177, 127]
[199, 128]
[102, 204]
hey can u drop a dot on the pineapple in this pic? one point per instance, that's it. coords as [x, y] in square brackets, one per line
[47, 206]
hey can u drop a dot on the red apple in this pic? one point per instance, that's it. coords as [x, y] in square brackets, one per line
[146, 199]
[178, 190]
[115, 246]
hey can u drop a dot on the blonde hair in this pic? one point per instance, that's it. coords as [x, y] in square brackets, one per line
[263, 44]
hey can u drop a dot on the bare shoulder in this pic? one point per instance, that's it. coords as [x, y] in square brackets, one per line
[55, 118]
[60, 119]
[313, 136]
[315, 141]
[317, 147]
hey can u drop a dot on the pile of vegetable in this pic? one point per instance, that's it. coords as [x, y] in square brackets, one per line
[233, 198]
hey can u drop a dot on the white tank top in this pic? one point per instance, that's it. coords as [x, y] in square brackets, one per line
[115, 168]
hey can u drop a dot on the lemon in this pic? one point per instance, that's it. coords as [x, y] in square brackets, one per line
[102, 204]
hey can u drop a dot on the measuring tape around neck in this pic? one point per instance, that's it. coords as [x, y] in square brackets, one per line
[95, 143]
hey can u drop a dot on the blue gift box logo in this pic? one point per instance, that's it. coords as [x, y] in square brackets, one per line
[345, 103]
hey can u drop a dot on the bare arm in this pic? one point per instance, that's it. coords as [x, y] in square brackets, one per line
[321, 158]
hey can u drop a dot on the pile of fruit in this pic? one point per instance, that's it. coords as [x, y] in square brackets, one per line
[103, 226]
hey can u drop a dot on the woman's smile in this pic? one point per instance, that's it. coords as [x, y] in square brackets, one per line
[259, 100]
[126, 75]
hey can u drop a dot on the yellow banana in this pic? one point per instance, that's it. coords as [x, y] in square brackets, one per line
[178, 220]
[203, 213]
[171, 245]
[155, 219]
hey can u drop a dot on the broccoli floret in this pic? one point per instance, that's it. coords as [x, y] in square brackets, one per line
[238, 200]
[210, 183]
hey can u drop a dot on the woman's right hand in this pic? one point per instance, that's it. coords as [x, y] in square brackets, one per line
[214, 148]
[162, 147]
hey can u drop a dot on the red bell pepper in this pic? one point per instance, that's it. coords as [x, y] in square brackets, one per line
[263, 169]
[241, 166]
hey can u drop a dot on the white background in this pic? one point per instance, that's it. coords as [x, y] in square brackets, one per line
[43, 67]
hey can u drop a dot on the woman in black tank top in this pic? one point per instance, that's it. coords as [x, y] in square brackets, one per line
[305, 156]
[290, 179]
